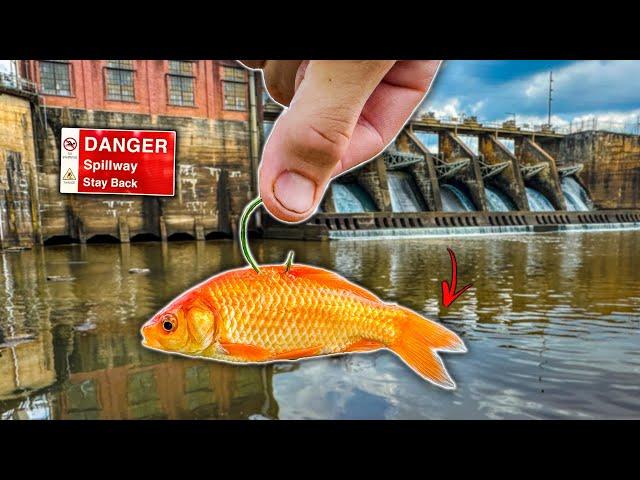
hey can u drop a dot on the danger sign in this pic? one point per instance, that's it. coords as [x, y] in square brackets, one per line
[125, 162]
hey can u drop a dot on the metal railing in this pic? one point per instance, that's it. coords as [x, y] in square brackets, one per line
[575, 126]
[396, 159]
[567, 170]
[529, 171]
[8, 80]
[593, 124]
[446, 169]
[489, 170]
[472, 121]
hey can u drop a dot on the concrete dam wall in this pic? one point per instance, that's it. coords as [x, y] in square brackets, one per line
[441, 176]
[434, 175]
[213, 179]
[611, 166]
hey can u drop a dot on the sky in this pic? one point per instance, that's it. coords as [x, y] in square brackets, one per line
[495, 89]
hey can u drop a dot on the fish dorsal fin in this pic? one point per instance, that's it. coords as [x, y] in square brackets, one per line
[331, 280]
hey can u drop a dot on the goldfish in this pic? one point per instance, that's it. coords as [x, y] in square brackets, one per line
[291, 312]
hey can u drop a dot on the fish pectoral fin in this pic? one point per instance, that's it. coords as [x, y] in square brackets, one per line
[249, 353]
[298, 353]
[364, 345]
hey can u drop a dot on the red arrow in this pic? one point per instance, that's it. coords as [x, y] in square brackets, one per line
[449, 294]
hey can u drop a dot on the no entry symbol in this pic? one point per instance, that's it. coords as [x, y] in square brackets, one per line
[70, 144]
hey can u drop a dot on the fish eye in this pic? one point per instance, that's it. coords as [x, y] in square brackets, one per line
[168, 322]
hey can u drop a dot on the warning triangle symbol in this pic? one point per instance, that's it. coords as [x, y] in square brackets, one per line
[69, 175]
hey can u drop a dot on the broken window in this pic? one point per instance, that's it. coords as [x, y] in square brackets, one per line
[55, 77]
[119, 80]
[234, 88]
[180, 83]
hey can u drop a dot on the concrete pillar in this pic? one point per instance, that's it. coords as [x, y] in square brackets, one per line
[424, 172]
[82, 236]
[225, 224]
[199, 229]
[373, 178]
[454, 149]
[381, 170]
[327, 202]
[123, 229]
[509, 180]
[547, 181]
[163, 229]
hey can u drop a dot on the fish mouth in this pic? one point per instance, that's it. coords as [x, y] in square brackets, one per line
[147, 339]
[151, 344]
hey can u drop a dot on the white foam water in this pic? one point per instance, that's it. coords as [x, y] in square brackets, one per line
[436, 232]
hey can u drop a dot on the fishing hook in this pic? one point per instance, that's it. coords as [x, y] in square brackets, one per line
[244, 237]
[244, 234]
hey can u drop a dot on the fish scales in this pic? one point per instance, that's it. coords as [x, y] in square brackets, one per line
[294, 314]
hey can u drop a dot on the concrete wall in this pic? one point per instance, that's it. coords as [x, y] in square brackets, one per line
[611, 170]
[18, 186]
[213, 179]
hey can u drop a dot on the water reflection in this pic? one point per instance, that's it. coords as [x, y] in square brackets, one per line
[71, 350]
[552, 325]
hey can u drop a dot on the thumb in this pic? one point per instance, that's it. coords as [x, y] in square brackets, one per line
[311, 137]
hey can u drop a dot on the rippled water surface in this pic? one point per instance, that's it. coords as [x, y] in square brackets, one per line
[552, 325]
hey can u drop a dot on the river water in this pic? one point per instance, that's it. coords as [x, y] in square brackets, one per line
[552, 325]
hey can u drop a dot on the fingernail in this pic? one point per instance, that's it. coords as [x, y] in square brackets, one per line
[294, 191]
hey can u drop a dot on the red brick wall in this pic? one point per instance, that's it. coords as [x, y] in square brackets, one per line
[88, 89]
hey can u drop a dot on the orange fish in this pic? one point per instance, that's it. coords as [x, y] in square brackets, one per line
[284, 313]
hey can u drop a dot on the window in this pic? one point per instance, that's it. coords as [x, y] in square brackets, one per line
[55, 78]
[180, 83]
[119, 80]
[234, 88]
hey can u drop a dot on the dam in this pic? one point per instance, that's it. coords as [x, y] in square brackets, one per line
[459, 176]
[440, 174]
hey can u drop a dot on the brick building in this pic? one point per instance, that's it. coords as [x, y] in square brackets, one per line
[202, 88]
[210, 104]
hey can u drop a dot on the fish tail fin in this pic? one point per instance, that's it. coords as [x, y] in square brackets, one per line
[418, 343]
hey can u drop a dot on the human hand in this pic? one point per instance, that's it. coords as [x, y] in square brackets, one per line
[341, 114]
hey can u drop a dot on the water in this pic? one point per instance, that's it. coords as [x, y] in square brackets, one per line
[448, 232]
[405, 196]
[454, 199]
[575, 195]
[497, 200]
[431, 141]
[537, 201]
[552, 325]
[472, 142]
[351, 198]
[509, 143]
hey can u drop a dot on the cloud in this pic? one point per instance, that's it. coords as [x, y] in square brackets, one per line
[582, 90]
[588, 84]
[450, 108]
[5, 66]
